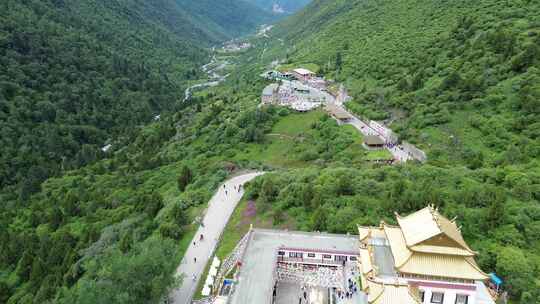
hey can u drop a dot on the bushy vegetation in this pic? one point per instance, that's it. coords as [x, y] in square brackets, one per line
[77, 74]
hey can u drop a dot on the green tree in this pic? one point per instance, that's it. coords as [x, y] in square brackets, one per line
[24, 266]
[318, 220]
[126, 242]
[496, 208]
[513, 265]
[184, 178]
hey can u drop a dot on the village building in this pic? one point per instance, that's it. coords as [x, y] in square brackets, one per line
[317, 82]
[338, 113]
[373, 142]
[424, 259]
[270, 94]
[292, 94]
[303, 75]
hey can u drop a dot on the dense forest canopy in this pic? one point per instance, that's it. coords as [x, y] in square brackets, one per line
[77, 74]
[74, 77]
[230, 18]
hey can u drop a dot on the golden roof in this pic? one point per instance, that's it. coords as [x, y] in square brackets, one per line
[424, 225]
[424, 243]
[430, 263]
[363, 232]
[397, 245]
[447, 266]
[379, 293]
[365, 261]
[441, 250]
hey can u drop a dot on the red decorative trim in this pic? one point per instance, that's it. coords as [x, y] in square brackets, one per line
[442, 285]
[319, 251]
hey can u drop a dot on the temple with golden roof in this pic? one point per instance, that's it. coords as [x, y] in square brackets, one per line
[422, 260]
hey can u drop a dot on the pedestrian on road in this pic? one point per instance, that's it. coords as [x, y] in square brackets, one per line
[225, 192]
[201, 238]
[193, 243]
[194, 260]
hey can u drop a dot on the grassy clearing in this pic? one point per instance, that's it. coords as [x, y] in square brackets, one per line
[297, 123]
[448, 141]
[288, 67]
[382, 154]
[280, 147]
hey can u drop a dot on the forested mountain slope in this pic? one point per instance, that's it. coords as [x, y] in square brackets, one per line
[75, 74]
[228, 18]
[114, 229]
[421, 63]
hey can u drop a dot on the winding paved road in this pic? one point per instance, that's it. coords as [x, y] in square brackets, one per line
[220, 209]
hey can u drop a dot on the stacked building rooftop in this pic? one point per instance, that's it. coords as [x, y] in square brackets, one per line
[423, 259]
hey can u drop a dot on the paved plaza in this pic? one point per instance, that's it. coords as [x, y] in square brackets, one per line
[257, 271]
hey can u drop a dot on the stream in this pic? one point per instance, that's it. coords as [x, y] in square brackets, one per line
[213, 74]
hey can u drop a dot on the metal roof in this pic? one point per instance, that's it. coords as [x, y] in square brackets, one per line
[303, 71]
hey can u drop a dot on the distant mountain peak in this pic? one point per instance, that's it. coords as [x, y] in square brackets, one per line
[281, 7]
[278, 9]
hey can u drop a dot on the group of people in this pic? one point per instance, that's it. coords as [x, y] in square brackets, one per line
[391, 145]
[236, 188]
[201, 236]
[349, 292]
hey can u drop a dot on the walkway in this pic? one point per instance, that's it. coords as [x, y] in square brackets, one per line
[220, 208]
[398, 152]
